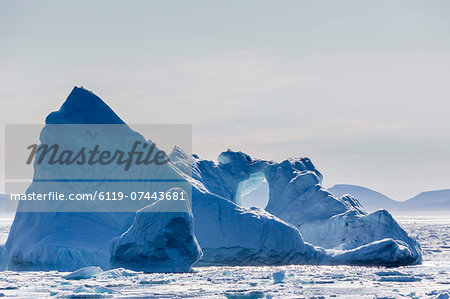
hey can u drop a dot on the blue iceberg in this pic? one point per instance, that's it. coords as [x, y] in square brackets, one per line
[303, 223]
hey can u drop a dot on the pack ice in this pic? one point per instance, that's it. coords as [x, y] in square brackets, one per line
[302, 224]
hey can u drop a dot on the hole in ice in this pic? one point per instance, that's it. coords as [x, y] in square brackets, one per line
[259, 197]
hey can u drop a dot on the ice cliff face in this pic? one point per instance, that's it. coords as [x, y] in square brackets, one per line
[335, 230]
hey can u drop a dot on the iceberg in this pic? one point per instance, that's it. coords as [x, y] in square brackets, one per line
[65, 235]
[302, 223]
[339, 225]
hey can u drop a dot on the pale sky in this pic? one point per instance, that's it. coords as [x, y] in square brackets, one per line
[362, 88]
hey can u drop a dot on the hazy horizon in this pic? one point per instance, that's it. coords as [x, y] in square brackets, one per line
[361, 88]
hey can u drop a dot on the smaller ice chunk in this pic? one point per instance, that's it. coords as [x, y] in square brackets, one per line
[83, 289]
[390, 273]
[399, 278]
[278, 277]
[157, 241]
[84, 273]
[119, 272]
[444, 295]
[103, 290]
[383, 252]
[244, 295]
[156, 281]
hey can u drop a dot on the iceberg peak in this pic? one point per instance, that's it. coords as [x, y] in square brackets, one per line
[83, 107]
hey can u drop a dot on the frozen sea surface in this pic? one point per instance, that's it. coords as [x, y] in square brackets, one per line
[429, 280]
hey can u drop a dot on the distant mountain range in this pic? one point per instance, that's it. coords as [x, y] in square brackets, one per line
[426, 203]
[370, 199]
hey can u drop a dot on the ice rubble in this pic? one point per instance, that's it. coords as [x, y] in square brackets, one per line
[227, 233]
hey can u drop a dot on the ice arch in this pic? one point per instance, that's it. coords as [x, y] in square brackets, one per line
[297, 197]
[254, 193]
[295, 191]
[243, 174]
